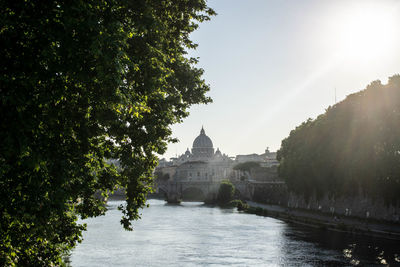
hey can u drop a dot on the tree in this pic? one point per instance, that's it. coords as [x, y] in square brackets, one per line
[353, 146]
[82, 82]
[246, 166]
[226, 192]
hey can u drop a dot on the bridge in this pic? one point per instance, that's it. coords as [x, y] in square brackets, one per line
[207, 191]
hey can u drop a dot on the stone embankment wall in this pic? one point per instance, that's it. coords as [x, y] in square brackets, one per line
[357, 206]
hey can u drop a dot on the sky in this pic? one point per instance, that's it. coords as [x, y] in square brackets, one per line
[272, 64]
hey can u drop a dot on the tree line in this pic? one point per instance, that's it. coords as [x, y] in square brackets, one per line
[353, 148]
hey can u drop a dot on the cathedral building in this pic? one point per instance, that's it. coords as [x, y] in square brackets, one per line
[203, 163]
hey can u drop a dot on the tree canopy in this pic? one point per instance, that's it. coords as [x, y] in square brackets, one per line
[354, 146]
[246, 166]
[82, 82]
[226, 191]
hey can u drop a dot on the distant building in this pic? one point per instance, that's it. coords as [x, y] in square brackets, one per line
[250, 157]
[267, 159]
[202, 163]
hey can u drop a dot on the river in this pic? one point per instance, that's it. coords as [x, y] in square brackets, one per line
[192, 234]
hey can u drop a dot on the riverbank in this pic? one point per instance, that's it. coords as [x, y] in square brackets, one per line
[320, 220]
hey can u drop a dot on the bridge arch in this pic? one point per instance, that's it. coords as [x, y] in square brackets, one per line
[193, 193]
[162, 193]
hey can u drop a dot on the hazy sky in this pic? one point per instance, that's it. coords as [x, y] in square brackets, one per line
[273, 64]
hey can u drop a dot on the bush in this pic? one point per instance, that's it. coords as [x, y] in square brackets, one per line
[240, 205]
[226, 192]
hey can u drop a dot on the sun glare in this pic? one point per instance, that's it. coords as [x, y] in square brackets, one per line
[367, 32]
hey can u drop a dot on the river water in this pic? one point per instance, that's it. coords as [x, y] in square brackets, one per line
[192, 234]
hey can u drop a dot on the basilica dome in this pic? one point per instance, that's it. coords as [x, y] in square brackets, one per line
[202, 141]
[202, 145]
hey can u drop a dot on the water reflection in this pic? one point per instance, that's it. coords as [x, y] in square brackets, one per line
[357, 250]
[192, 234]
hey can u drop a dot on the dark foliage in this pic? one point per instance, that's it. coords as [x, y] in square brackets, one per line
[80, 82]
[354, 146]
[246, 166]
[226, 192]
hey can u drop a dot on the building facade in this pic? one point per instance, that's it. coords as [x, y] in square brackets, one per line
[204, 163]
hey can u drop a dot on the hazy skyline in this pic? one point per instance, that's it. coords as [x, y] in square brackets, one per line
[273, 64]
